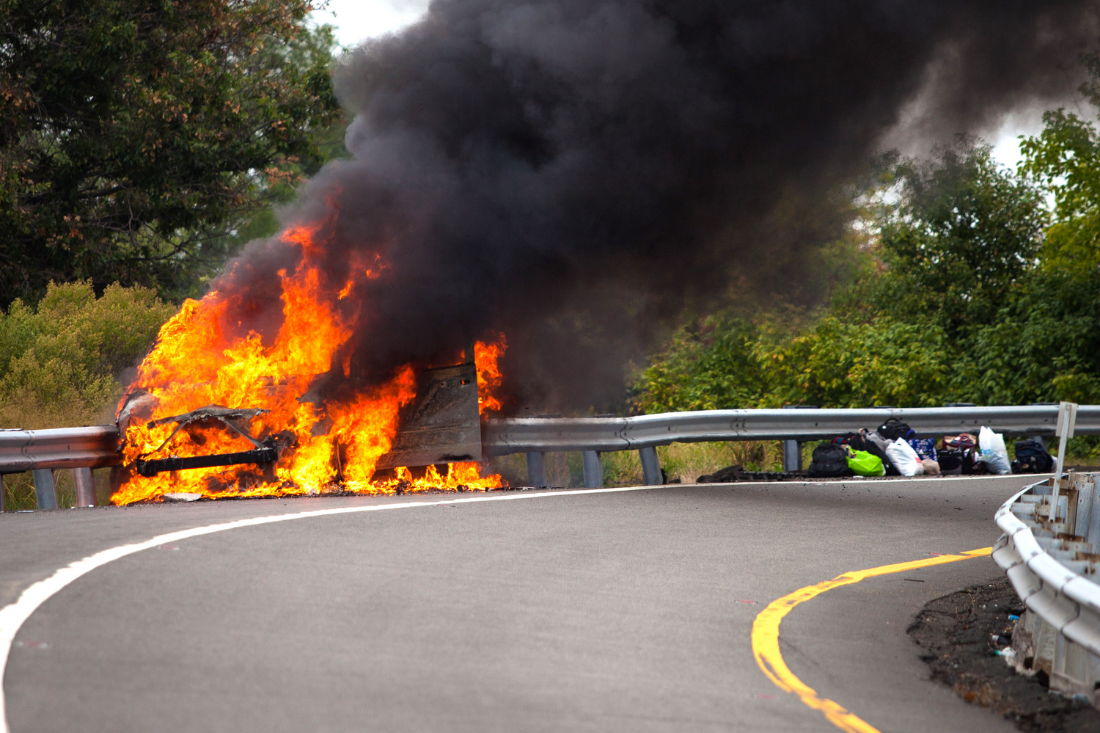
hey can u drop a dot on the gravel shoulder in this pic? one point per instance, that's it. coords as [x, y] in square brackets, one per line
[961, 633]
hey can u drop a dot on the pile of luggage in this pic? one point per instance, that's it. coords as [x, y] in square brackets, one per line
[895, 449]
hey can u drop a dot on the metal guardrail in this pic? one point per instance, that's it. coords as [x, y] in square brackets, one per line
[1052, 564]
[536, 436]
[43, 450]
[518, 435]
[25, 450]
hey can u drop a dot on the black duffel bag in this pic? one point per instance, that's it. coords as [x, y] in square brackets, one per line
[829, 461]
[893, 429]
[1032, 457]
[960, 460]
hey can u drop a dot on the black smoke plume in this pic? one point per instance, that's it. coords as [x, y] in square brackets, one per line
[569, 172]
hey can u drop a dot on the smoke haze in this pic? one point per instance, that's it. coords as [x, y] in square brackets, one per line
[571, 172]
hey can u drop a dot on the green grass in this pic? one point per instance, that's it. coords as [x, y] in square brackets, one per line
[688, 461]
[19, 492]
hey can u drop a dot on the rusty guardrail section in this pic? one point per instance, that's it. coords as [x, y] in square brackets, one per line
[1052, 562]
[91, 447]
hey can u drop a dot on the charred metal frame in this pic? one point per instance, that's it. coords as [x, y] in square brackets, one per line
[265, 451]
[441, 424]
[267, 454]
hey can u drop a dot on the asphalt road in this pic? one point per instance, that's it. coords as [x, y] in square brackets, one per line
[625, 611]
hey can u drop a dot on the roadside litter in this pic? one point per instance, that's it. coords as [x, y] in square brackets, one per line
[830, 460]
[994, 452]
[895, 449]
[865, 463]
[905, 458]
[1031, 457]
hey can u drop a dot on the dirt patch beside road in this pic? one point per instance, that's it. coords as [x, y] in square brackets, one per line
[957, 633]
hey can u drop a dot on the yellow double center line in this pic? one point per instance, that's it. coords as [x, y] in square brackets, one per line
[765, 637]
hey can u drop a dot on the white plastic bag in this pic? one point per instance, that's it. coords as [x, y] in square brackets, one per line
[993, 450]
[904, 457]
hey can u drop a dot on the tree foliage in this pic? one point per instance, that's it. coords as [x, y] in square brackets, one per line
[134, 134]
[707, 368]
[972, 292]
[963, 238]
[59, 362]
[842, 364]
[1065, 158]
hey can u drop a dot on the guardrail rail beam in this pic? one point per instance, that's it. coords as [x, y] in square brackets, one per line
[1048, 552]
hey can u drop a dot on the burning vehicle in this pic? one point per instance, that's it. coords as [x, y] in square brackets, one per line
[217, 410]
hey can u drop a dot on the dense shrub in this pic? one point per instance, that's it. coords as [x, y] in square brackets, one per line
[60, 361]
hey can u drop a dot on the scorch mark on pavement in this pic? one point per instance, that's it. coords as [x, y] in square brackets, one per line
[765, 636]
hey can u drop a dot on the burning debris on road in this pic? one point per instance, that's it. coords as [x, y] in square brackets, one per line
[278, 435]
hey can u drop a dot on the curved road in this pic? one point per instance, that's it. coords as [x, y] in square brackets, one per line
[550, 611]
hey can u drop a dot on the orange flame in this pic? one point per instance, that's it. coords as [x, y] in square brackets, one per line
[368, 272]
[198, 360]
[489, 378]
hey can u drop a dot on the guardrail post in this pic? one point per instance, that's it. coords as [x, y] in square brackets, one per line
[44, 488]
[651, 467]
[1067, 417]
[2, 492]
[593, 470]
[792, 455]
[536, 469]
[85, 487]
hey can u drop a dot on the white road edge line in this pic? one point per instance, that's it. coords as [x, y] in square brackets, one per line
[13, 616]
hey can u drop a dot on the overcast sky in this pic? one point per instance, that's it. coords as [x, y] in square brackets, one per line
[357, 20]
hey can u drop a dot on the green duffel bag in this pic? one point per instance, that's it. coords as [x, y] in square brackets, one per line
[863, 463]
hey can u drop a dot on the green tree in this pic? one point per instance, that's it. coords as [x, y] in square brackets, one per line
[134, 136]
[60, 361]
[733, 362]
[854, 364]
[956, 248]
[709, 367]
[1044, 346]
[1065, 160]
[937, 310]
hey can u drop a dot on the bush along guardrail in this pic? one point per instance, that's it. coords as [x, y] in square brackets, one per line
[1049, 551]
[81, 449]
